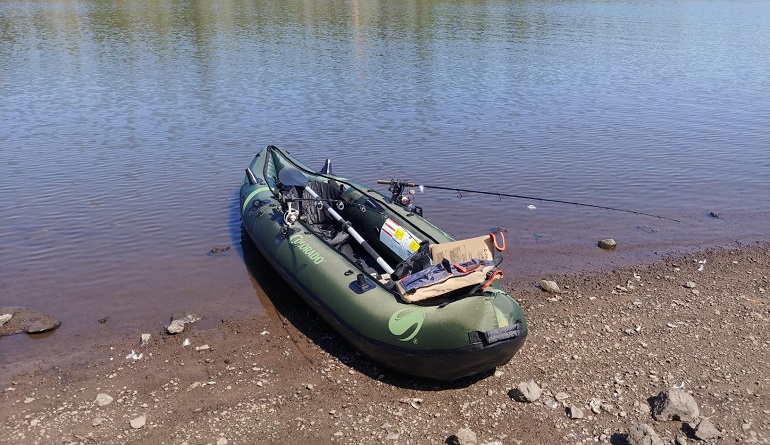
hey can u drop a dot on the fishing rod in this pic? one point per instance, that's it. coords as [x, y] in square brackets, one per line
[397, 187]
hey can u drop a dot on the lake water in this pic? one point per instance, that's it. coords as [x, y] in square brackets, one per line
[125, 128]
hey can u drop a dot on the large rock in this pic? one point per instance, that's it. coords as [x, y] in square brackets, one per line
[675, 404]
[176, 327]
[575, 412]
[642, 434]
[21, 319]
[463, 436]
[526, 392]
[549, 286]
[608, 244]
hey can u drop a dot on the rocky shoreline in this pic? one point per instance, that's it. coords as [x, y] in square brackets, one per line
[671, 353]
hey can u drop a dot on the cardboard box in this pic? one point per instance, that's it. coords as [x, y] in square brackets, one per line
[463, 250]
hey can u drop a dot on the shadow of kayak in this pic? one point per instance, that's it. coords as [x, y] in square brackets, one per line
[286, 307]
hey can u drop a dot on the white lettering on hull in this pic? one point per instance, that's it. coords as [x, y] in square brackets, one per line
[307, 249]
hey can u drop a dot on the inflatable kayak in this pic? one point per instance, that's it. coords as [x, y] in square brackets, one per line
[402, 291]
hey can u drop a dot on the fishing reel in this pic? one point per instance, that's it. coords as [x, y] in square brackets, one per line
[401, 198]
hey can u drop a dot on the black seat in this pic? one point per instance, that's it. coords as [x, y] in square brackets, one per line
[317, 218]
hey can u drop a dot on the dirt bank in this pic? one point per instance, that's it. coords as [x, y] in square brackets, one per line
[609, 341]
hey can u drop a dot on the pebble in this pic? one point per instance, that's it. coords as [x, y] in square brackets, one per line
[97, 421]
[5, 318]
[221, 441]
[103, 399]
[29, 399]
[138, 422]
[551, 403]
[608, 244]
[690, 284]
[202, 348]
[145, 339]
[549, 286]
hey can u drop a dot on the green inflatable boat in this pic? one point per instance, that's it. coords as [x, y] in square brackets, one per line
[402, 291]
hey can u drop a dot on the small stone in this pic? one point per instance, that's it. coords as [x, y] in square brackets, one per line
[551, 403]
[549, 286]
[526, 392]
[145, 339]
[103, 399]
[29, 399]
[310, 387]
[714, 214]
[574, 412]
[561, 396]
[5, 318]
[690, 284]
[34, 422]
[97, 421]
[703, 429]
[675, 404]
[642, 434]
[221, 441]
[138, 422]
[463, 436]
[608, 244]
[202, 348]
[176, 327]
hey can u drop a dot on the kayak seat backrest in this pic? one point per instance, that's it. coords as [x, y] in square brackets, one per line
[319, 221]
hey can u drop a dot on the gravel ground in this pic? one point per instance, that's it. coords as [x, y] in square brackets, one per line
[599, 353]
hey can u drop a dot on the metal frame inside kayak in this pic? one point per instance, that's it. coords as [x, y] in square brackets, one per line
[439, 339]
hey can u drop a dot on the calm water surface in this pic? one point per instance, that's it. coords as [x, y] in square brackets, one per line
[125, 128]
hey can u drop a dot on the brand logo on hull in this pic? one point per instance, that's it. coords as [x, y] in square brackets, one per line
[402, 322]
[299, 242]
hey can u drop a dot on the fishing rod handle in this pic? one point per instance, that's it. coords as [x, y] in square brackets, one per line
[408, 184]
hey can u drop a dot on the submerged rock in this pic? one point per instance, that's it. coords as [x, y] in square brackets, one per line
[179, 320]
